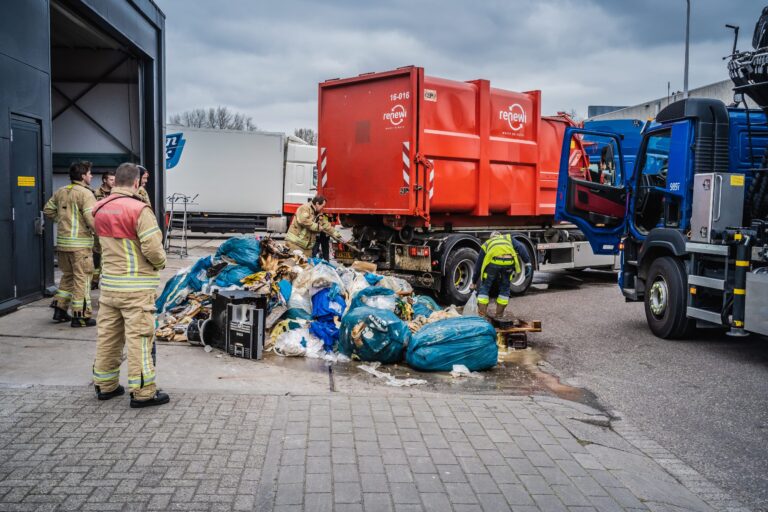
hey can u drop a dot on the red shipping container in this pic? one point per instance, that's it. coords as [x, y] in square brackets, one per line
[419, 150]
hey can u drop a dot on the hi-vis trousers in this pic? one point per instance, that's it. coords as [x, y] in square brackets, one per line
[75, 285]
[126, 318]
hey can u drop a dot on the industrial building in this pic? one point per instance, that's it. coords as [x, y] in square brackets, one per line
[81, 80]
[722, 90]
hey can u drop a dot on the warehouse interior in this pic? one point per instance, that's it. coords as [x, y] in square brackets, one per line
[95, 98]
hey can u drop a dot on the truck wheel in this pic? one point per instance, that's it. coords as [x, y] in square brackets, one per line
[520, 285]
[665, 299]
[458, 276]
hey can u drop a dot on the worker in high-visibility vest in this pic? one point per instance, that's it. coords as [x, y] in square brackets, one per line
[499, 262]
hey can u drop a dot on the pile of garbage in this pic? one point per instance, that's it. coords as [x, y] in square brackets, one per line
[317, 308]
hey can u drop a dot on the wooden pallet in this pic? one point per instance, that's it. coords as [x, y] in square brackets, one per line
[516, 337]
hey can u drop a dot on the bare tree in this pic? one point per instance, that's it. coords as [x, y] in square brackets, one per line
[220, 118]
[308, 135]
[572, 114]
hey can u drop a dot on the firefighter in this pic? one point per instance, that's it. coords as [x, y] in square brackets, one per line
[498, 262]
[132, 255]
[306, 225]
[107, 182]
[142, 192]
[70, 207]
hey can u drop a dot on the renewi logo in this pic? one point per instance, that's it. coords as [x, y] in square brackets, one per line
[174, 144]
[396, 115]
[515, 117]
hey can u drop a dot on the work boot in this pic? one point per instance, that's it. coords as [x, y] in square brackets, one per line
[160, 398]
[482, 309]
[500, 311]
[60, 315]
[81, 321]
[118, 391]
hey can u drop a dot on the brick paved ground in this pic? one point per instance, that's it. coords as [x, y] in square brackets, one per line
[61, 449]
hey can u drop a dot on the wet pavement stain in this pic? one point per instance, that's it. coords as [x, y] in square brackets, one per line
[518, 373]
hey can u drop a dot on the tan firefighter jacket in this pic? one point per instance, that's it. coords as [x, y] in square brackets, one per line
[131, 243]
[306, 225]
[144, 196]
[70, 207]
[102, 192]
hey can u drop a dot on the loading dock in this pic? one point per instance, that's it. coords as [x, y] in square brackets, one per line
[82, 80]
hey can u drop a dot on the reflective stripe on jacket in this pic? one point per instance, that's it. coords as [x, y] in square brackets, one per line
[131, 243]
[499, 250]
[306, 225]
[70, 207]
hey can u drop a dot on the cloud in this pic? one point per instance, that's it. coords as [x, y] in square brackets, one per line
[266, 59]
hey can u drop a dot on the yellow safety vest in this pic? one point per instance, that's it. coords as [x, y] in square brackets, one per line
[500, 251]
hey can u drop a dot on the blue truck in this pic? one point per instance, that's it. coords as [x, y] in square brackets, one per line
[693, 247]
[630, 132]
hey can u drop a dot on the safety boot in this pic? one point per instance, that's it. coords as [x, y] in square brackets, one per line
[60, 315]
[101, 395]
[482, 309]
[500, 311]
[81, 321]
[160, 398]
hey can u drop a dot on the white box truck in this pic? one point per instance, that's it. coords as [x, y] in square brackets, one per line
[243, 181]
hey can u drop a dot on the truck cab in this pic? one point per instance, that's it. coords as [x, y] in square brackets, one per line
[645, 213]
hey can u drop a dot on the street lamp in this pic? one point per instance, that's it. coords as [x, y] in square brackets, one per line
[687, 36]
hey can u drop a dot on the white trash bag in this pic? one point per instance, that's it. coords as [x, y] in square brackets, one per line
[470, 308]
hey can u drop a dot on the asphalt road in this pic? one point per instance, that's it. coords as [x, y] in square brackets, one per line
[705, 399]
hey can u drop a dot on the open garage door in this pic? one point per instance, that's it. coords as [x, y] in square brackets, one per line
[96, 97]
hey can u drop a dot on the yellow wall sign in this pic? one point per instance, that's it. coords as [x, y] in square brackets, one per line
[737, 180]
[25, 181]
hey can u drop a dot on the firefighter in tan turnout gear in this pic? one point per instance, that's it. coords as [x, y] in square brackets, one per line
[306, 224]
[70, 207]
[131, 255]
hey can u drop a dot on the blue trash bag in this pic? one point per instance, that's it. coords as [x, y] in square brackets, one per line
[243, 250]
[470, 341]
[382, 337]
[285, 289]
[373, 279]
[365, 298]
[296, 314]
[197, 274]
[327, 304]
[326, 331]
[232, 275]
[182, 284]
[174, 293]
[424, 305]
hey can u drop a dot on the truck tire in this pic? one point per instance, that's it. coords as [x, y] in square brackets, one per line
[520, 285]
[458, 276]
[665, 299]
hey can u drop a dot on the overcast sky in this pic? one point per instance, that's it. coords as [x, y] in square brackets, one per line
[266, 58]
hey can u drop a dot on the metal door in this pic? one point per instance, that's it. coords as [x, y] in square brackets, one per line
[26, 204]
